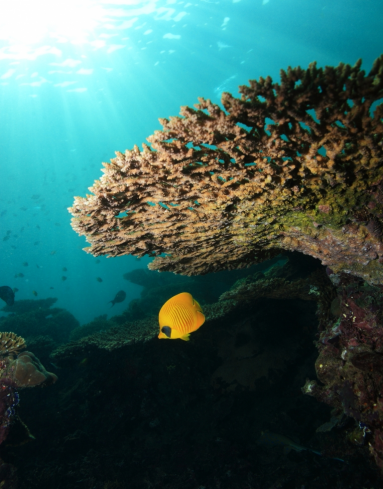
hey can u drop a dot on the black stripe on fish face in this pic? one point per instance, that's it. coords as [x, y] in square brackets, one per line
[166, 330]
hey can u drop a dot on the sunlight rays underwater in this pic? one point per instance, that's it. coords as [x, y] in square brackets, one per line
[80, 80]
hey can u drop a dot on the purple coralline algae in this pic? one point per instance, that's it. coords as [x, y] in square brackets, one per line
[9, 398]
[350, 362]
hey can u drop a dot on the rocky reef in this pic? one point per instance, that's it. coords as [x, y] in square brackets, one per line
[175, 414]
[44, 327]
[18, 370]
[350, 363]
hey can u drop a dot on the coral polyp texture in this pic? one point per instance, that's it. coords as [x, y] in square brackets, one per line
[295, 166]
[11, 343]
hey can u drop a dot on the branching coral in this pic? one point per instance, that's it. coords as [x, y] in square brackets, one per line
[295, 165]
[11, 343]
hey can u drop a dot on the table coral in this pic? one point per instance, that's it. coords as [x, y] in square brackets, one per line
[295, 166]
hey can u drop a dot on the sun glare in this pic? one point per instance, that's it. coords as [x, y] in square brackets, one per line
[26, 22]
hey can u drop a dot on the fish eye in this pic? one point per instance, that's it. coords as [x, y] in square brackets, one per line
[166, 330]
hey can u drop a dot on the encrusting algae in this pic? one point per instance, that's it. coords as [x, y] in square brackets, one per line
[294, 166]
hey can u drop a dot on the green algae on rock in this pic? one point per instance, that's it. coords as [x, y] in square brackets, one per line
[294, 166]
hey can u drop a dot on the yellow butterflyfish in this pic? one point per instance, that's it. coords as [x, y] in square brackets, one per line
[180, 316]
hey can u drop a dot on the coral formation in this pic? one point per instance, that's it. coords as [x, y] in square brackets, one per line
[11, 343]
[258, 348]
[243, 293]
[98, 324]
[17, 372]
[350, 362]
[155, 420]
[149, 279]
[31, 318]
[9, 399]
[27, 371]
[158, 287]
[295, 166]
[28, 305]
[109, 339]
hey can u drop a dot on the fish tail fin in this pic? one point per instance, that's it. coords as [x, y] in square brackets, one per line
[112, 303]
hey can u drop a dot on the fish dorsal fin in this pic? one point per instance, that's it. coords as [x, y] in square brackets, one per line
[184, 298]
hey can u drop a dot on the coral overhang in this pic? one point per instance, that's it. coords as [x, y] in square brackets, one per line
[294, 166]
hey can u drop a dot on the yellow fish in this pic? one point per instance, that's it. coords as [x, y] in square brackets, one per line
[180, 316]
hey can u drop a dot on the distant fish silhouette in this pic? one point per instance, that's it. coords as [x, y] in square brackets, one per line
[7, 294]
[99, 279]
[120, 297]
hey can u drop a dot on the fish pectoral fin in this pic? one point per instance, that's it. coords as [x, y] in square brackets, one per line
[186, 337]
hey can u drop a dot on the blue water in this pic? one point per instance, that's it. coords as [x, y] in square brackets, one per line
[82, 79]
